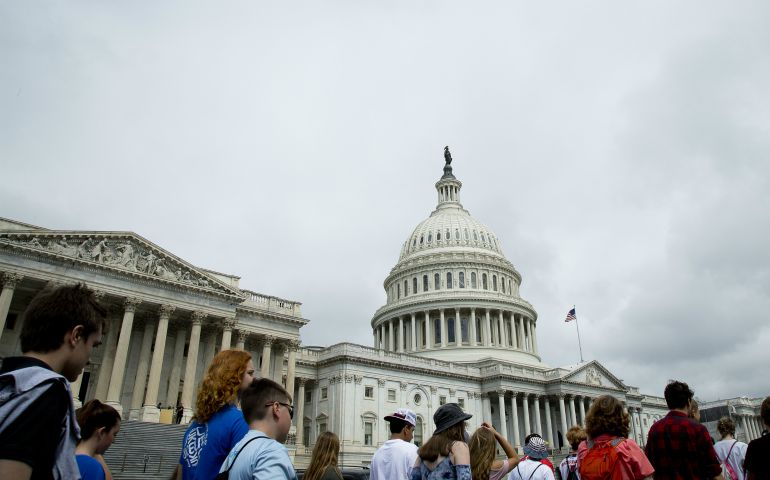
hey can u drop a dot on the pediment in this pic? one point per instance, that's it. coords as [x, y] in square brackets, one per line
[125, 252]
[593, 373]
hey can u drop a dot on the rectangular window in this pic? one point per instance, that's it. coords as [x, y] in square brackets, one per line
[461, 402]
[308, 396]
[306, 435]
[324, 393]
[437, 331]
[464, 330]
[441, 400]
[478, 330]
[424, 283]
[391, 395]
[436, 282]
[321, 427]
[448, 279]
[367, 433]
[461, 279]
[450, 329]
[369, 392]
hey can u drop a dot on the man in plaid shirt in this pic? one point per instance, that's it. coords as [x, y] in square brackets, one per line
[679, 447]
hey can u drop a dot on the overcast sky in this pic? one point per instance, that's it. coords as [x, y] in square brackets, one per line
[620, 151]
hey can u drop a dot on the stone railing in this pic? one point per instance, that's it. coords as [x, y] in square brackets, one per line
[272, 304]
[402, 359]
[464, 294]
[515, 370]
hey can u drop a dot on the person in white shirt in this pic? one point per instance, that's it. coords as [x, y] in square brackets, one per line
[531, 468]
[394, 459]
[729, 450]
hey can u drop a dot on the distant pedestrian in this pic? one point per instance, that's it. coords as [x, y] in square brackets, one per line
[608, 452]
[99, 425]
[445, 455]
[179, 413]
[217, 424]
[38, 429]
[394, 459]
[531, 467]
[678, 446]
[268, 410]
[731, 452]
[323, 462]
[758, 453]
[483, 450]
[568, 468]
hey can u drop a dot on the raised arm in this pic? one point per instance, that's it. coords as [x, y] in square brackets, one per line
[510, 452]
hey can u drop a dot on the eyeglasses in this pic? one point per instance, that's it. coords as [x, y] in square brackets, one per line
[290, 407]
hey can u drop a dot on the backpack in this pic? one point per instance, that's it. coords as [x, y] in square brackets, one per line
[226, 474]
[601, 461]
[571, 467]
[728, 472]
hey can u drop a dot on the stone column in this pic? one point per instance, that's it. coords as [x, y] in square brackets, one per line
[548, 423]
[527, 335]
[401, 342]
[486, 408]
[176, 368]
[10, 281]
[573, 417]
[119, 365]
[241, 343]
[108, 359]
[515, 414]
[75, 387]
[140, 381]
[458, 328]
[291, 368]
[192, 365]
[522, 338]
[444, 333]
[299, 419]
[227, 333]
[150, 412]
[562, 414]
[533, 330]
[582, 405]
[525, 404]
[267, 345]
[501, 406]
[538, 424]
[502, 337]
[472, 328]
[414, 332]
[634, 432]
[487, 330]
[279, 349]
[745, 428]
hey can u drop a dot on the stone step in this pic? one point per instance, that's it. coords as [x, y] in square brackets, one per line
[145, 450]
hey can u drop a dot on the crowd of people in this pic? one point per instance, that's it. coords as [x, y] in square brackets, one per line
[241, 424]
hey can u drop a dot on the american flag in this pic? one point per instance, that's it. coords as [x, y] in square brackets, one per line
[570, 316]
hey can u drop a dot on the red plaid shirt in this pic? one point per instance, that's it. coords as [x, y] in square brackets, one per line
[680, 448]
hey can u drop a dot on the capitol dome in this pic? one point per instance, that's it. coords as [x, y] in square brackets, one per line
[453, 295]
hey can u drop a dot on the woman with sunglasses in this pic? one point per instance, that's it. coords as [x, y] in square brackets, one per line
[217, 424]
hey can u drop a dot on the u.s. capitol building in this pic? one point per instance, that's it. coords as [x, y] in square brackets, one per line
[454, 328]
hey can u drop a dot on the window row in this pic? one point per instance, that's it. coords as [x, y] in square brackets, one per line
[487, 282]
[486, 239]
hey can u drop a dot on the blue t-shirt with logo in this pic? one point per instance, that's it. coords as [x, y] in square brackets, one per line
[205, 446]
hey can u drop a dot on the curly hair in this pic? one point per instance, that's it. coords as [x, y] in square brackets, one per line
[607, 416]
[482, 448]
[575, 435]
[726, 426]
[325, 453]
[221, 384]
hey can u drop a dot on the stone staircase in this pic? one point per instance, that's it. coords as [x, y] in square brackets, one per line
[145, 451]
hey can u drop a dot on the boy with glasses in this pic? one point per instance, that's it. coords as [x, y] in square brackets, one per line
[268, 409]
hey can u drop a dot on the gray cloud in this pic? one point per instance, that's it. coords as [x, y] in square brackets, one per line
[618, 151]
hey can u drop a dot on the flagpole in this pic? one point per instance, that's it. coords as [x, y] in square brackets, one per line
[580, 345]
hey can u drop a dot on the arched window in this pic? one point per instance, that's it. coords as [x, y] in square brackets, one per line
[475, 237]
[502, 284]
[473, 279]
[398, 290]
[483, 238]
[422, 239]
[414, 285]
[448, 279]
[406, 288]
[466, 235]
[430, 237]
[438, 236]
[448, 235]
[418, 435]
[424, 283]
[457, 234]
[461, 279]
[436, 282]
[484, 284]
[494, 282]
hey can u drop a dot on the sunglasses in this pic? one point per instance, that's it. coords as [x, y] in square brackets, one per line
[290, 407]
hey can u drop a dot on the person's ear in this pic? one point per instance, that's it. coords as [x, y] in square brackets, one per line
[77, 334]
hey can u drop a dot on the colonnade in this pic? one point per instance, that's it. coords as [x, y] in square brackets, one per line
[439, 328]
[155, 322]
[752, 425]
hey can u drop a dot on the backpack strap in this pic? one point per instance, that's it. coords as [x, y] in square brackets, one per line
[239, 452]
[533, 471]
